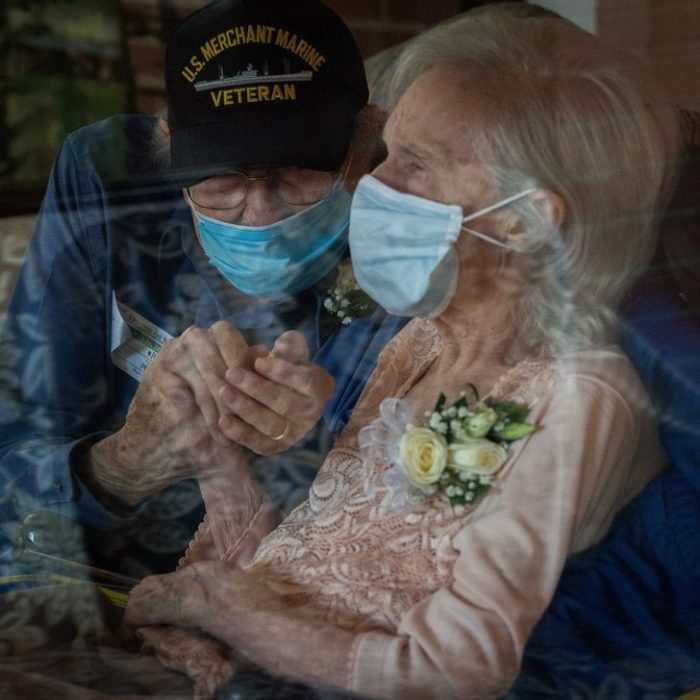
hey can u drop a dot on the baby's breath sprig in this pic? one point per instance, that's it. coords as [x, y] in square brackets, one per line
[345, 300]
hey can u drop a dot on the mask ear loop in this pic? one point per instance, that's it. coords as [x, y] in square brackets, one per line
[487, 210]
[342, 173]
[490, 239]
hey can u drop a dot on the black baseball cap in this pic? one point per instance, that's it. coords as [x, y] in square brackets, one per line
[261, 82]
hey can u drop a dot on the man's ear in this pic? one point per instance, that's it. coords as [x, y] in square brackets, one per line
[529, 233]
[366, 147]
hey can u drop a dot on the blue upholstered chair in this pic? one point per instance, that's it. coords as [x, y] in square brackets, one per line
[625, 621]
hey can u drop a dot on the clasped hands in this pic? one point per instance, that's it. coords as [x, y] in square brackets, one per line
[206, 395]
[260, 399]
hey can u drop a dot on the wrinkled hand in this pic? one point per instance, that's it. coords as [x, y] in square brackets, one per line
[172, 426]
[251, 614]
[204, 396]
[274, 404]
[205, 661]
[168, 611]
[211, 595]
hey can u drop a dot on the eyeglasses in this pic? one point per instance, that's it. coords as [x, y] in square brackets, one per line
[295, 186]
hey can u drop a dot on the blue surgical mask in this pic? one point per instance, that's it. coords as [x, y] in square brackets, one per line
[285, 257]
[402, 247]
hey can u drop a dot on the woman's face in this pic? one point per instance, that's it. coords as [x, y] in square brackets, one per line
[427, 138]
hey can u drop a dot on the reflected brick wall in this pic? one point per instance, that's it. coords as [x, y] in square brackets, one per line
[666, 33]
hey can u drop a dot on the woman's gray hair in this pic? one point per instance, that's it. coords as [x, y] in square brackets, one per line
[563, 113]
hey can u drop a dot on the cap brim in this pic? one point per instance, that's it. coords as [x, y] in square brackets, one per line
[315, 141]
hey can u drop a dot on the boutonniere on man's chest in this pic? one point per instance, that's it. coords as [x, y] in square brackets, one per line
[345, 300]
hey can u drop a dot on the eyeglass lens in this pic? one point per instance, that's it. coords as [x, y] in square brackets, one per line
[297, 186]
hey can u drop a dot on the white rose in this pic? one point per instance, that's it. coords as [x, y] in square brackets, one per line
[476, 456]
[423, 455]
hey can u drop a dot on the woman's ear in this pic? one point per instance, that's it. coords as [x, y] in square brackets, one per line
[546, 215]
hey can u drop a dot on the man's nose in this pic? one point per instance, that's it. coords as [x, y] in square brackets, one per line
[263, 205]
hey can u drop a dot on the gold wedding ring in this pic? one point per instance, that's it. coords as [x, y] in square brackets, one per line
[282, 435]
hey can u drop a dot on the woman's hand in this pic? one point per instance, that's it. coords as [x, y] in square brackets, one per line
[274, 404]
[165, 612]
[250, 613]
[199, 595]
[206, 663]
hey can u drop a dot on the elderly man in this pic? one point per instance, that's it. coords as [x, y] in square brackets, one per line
[165, 249]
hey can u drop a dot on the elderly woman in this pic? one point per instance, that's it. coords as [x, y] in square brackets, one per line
[514, 208]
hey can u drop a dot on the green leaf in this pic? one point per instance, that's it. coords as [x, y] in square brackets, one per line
[514, 431]
[360, 303]
[510, 411]
[440, 403]
[519, 413]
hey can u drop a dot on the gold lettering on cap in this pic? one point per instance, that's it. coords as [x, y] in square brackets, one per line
[282, 38]
[253, 93]
[239, 34]
[192, 68]
[250, 34]
[235, 36]
[302, 48]
[207, 51]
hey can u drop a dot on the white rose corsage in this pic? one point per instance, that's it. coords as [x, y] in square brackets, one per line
[457, 451]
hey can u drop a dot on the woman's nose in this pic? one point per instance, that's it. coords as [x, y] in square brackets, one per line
[386, 173]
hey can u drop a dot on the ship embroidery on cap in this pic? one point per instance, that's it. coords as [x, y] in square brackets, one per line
[251, 75]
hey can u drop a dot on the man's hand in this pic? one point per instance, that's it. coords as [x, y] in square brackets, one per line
[275, 404]
[204, 396]
[171, 431]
